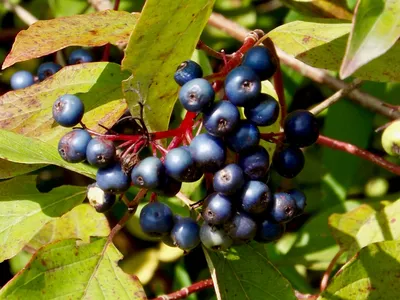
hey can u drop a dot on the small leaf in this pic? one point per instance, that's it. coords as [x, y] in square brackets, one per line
[245, 272]
[372, 274]
[67, 270]
[24, 210]
[81, 222]
[165, 35]
[376, 27]
[321, 8]
[9, 169]
[48, 36]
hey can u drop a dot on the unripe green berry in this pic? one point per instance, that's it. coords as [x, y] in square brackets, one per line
[391, 139]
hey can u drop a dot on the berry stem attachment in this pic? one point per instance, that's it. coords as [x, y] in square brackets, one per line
[325, 277]
[210, 51]
[186, 291]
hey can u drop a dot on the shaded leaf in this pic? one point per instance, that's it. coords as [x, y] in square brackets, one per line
[48, 36]
[142, 264]
[10, 169]
[245, 272]
[321, 8]
[156, 48]
[65, 269]
[372, 274]
[169, 254]
[81, 222]
[376, 27]
[24, 211]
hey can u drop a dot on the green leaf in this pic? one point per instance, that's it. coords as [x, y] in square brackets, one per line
[76, 271]
[10, 169]
[165, 35]
[24, 211]
[81, 222]
[321, 8]
[67, 7]
[48, 36]
[372, 274]
[376, 28]
[245, 272]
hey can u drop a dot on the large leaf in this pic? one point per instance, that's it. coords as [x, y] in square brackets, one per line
[81, 222]
[372, 274]
[48, 36]
[68, 270]
[376, 27]
[321, 8]
[10, 169]
[245, 272]
[166, 34]
[24, 211]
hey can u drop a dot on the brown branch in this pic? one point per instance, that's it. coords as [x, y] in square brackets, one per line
[186, 291]
[100, 5]
[305, 296]
[318, 75]
[325, 277]
[21, 12]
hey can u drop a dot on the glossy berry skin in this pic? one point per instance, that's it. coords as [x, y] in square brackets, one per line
[300, 200]
[100, 200]
[180, 165]
[217, 209]
[148, 173]
[47, 69]
[261, 61]
[214, 238]
[254, 163]
[112, 179]
[221, 118]
[244, 137]
[188, 70]
[208, 152]
[100, 152]
[156, 219]
[186, 234]
[265, 113]
[72, 146]
[283, 208]
[196, 95]
[268, 231]
[21, 79]
[68, 110]
[255, 197]
[79, 56]
[169, 187]
[228, 180]
[241, 228]
[242, 86]
[301, 128]
[288, 162]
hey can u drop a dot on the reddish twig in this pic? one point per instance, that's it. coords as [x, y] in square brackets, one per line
[305, 296]
[186, 291]
[325, 277]
[107, 48]
[352, 149]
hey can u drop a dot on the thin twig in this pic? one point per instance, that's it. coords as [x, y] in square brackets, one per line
[186, 291]
[325, 277]
[185, 199]
[301, 296]
[21, 12]
[100, 5]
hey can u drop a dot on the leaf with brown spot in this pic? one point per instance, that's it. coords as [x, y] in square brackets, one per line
[90, 30]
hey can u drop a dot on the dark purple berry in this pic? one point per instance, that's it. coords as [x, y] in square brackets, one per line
[47, 69]
[180, 165]
[112, 179]
[283, 208]
[196, 95]
[188, 70]
[100, 152]
[269, 231]
[241, 228]
[169, 187]
[300, 199]
[301, 128]
[255, 197]
[186, 234]
[217, 209]
[214, 238]
[288, 161]
[261, 61]
[72, 146]
[244, 137]
[21, 79]
[148, 173]
[68, 110]
[254, 162]
[156, 219]
[228, 180]
[265, 113]
[221, 118]
[100, 200]
[79, 56]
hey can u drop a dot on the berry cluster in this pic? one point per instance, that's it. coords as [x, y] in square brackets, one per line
[240, 206]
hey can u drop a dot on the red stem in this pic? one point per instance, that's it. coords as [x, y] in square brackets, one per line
[280, 91]
[183, 293]
[352, 149]
[106, 52]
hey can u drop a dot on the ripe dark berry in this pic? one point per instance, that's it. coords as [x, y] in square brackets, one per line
[208, 152]
[265, 113]
[186, 234]
[242, 86]
[187, 71]
[214, 238]
[217, 209]
[68, 110]
[156, 219]
[21, 79]
[79, 56]
[241, 228]
[72, 146]
[169, 187]
[283, 208]
[244, 137]
[301, 128]
[180, 165]
[254, 162]
[221, 118]
[228, 180]
[261, 61]
[288, 161]
[100, 200]
[112, 179]
[196, 95]
[100, 152]
[47, 69]
[300, 199]
[269, 231]
[255, 197]
[148, 173]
